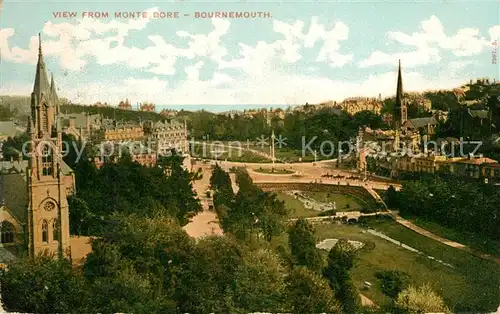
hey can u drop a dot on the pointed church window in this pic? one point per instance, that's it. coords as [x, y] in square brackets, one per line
[45, 231]
[45, 118]
[55, 230]
[46, 161]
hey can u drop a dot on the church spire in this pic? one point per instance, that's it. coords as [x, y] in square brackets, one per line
[41, 85]
[401, 112]
[39, 45]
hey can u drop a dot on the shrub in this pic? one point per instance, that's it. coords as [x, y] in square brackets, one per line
[368, 246]
[329, 212]
[392, 282]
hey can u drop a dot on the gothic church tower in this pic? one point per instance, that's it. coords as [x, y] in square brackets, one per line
[48, 215]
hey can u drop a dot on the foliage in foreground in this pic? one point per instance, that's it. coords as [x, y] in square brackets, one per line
[420, 300]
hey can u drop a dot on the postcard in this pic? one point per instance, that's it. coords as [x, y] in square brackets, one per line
[249, 156]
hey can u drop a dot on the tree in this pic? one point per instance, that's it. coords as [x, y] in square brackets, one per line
[392, 197]
[220, 182]
[219, 179]
[302, 243]
[42, 285]
[139, 261]
[260, 282]
[308, 292]
[340, 262]
[392, 282]
[368, 118]
[182, 197]
[80, 216]
[252, 210]
[13, 146]
[205, 283]
[420, 300]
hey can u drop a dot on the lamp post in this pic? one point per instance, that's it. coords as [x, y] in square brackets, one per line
[272, 148]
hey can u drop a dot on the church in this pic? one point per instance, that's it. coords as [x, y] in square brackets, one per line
[34, 215]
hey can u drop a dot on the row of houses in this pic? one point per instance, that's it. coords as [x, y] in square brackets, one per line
[471, 166]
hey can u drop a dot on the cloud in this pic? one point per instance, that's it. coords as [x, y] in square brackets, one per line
[75, 44]
[429, 41]
[264, 72]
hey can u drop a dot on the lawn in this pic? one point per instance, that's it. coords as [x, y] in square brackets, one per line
[472, 240]
[274, 171]
[342, 201]
[229, 154]
[296, 207]
[472, 286]
[298, 210]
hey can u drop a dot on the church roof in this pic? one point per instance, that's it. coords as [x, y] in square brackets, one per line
[80, 120]
[14, 194]
[11, 167]
[6, 254]
[421, 122]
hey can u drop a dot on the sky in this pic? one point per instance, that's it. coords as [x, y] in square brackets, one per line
[297, 52]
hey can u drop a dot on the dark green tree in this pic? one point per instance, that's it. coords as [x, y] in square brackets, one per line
[340, 261]
[42, 285]
[392, 282]
[302, 242]
[307, 292]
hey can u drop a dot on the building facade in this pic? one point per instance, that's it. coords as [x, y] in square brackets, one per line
[125, 105]
[119, 131]
[112, 152]
[166, 136]
[147, 107]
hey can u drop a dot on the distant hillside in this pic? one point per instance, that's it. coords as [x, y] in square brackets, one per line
[113, 113]
[18, 104]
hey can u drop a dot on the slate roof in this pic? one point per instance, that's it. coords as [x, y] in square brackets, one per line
[9, 167]
[14, 194]
[167, 125]
[422, 122]
[80, 119]
[7, 254]
[110, 124]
